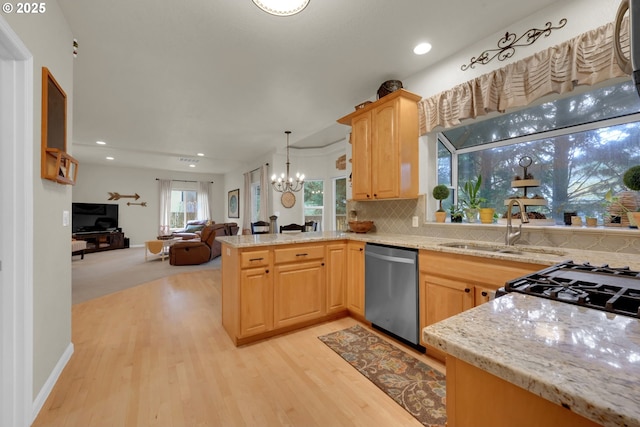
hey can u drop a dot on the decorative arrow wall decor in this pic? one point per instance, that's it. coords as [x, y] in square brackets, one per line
[139, 204]
[118, 196]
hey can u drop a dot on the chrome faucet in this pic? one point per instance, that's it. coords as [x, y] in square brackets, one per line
[512, 236]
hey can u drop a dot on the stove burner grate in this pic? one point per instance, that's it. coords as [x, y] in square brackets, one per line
[616, 290]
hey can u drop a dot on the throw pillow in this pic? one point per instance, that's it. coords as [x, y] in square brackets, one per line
[193, 228]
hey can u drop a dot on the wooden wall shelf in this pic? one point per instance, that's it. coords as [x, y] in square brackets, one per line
[59, 166]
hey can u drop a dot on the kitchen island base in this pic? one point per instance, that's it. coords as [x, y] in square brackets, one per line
[478, 398]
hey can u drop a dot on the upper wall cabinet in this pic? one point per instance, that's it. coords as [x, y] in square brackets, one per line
[56, 165]
[384, 138]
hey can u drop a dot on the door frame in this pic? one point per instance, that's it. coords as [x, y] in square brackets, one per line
[16, 229]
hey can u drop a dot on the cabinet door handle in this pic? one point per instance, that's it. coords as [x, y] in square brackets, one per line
[255, 259]
[368, 196]
[361, 249]
[302, 254]
[322, 264]
[467, 290]
[266, 271]
[375, 195]
[484, 293]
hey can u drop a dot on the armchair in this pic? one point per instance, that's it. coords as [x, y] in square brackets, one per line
[192, 252]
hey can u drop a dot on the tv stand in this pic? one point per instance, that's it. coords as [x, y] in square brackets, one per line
[98, 241]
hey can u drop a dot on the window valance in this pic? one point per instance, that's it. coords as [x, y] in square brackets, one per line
[584, 60]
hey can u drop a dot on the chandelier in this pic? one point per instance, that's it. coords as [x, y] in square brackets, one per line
[286, 183]
[282, 7]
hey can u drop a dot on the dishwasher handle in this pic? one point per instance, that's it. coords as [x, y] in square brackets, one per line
[390, 258]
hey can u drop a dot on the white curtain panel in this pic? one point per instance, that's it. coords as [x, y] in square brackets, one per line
[165, 206]
[202, 200]
[264, 193]
[246, 198]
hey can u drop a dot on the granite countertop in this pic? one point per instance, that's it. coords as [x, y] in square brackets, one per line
[581, 358]
[531, 254]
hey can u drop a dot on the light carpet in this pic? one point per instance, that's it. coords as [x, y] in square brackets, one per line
[102, 273]
[414, 385]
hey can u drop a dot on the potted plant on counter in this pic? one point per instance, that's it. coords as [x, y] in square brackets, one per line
[440, 192]
[455, 213]
[472, 200]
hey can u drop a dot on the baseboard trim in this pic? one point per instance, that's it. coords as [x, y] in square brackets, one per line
[38, 403]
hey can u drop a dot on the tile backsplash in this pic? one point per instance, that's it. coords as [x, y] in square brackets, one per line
[395, 216]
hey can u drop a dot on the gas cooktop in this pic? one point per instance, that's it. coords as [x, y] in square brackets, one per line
[616, 290]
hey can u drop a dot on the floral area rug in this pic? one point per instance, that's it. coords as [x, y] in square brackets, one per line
[411, 383]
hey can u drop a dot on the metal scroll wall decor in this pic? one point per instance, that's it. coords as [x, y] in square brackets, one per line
[508, 43]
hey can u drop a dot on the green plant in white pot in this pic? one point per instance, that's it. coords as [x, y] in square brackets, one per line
[440, 192]
[471, 199]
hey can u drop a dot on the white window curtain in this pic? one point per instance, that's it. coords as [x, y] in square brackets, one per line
[202, 200]
[246, 198]
[264, 193]
[165, 207]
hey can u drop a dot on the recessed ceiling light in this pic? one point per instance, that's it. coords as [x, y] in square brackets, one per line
[109, 158]
[422, 48]
[101, 143]
[282, 7]
[201, 154]
[192, 165]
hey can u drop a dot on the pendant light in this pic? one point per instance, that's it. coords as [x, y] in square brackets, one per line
[285, 183]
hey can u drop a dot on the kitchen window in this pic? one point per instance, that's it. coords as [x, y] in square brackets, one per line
[314, 202]
[580, 146]
[340, 205]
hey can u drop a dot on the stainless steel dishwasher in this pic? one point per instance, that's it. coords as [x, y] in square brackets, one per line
[391, 290]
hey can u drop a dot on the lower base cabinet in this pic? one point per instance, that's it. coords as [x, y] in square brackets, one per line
[298, 292]
[256, 313]
[452, 283]
[355, 279]
[478, 398]
[266, 292]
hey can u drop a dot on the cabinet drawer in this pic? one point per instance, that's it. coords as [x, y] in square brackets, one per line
[300, 253]
[254, 259]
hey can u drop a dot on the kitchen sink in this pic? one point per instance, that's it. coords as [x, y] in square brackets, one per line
[513, 250]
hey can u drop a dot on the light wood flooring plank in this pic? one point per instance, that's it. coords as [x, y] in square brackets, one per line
[157, 355]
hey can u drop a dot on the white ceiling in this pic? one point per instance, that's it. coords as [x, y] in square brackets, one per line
[161, 80]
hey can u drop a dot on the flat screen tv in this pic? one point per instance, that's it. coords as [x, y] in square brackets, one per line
[92, 217]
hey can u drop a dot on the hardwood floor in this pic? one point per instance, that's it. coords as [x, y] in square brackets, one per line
[157, 355]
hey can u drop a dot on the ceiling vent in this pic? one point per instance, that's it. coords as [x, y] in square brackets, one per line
[188, 160]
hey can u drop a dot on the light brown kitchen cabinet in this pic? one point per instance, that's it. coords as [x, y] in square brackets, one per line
[452, 283]
[298, 285]
[384, 138]
[355, 279]
[256, 311]
[336, 276]
[269, 291]
[472, 392]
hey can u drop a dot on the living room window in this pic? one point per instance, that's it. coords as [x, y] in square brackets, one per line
[580, 147]
[314, 202]
[183, 207]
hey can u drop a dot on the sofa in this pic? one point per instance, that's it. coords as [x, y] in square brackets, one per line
[194, 251]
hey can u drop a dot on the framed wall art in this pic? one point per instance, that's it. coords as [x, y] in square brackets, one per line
[233, 203]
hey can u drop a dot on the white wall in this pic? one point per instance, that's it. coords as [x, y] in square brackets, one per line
[49, 39]
[137, 222]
